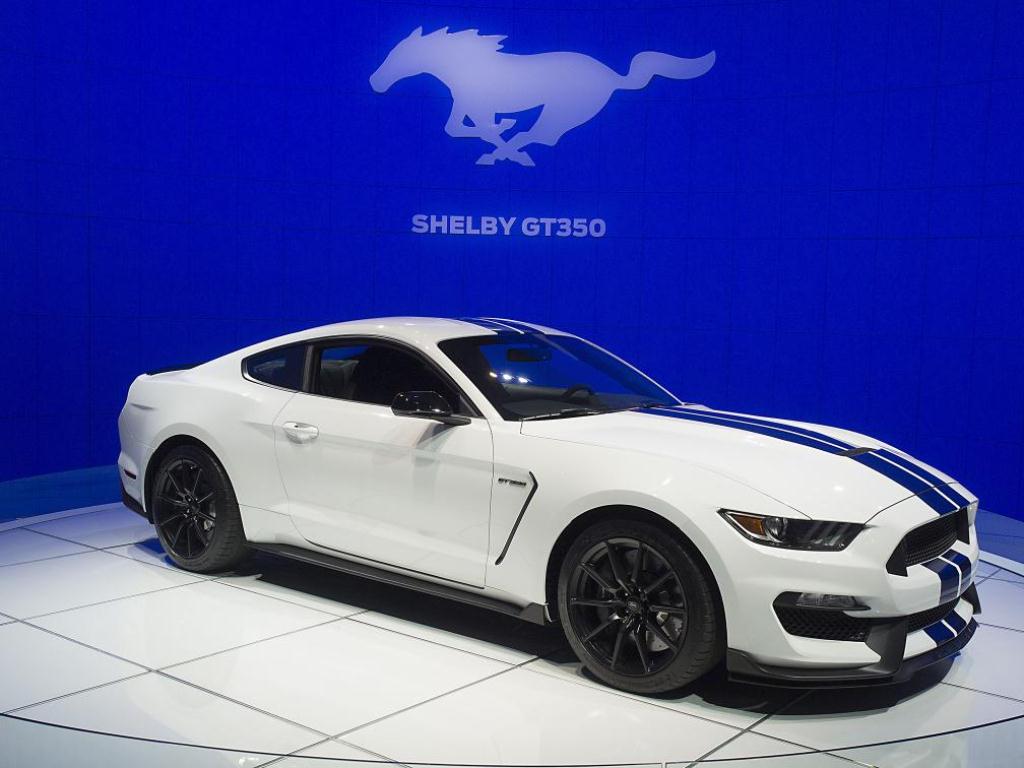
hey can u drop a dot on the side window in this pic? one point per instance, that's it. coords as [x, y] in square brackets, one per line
[375, 373]
[279, 367]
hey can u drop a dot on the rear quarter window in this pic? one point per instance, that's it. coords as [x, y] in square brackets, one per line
[283, 367]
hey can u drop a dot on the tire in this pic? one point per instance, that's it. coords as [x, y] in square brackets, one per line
[612, 580]
[196, 513]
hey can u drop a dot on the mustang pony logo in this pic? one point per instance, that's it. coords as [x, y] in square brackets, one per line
[569, 88]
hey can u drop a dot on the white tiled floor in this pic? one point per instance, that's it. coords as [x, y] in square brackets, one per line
[23, 546]
[45, 586]
[824, 720]
[156, 707]
[311, 758]
[36, 666]
[737, 705]
[1002, 603]
[444, 637]
[737, 754]
[106, 528]
[175, 625]
[337, 676]
[282, 660]
[1004, 575]
[542, 720]
[255, 583]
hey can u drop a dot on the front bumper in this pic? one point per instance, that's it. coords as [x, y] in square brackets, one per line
[755, 576]
[888, 638]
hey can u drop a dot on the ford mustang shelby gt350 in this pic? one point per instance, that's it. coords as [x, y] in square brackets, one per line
[525, 470]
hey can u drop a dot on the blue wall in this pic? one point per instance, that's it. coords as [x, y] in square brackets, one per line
[826, 226]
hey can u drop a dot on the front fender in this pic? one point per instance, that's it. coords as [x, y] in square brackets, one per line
[574, 479]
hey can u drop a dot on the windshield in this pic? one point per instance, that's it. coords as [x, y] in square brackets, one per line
[535, 376]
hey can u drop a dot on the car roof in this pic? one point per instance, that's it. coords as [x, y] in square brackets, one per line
[418, 331]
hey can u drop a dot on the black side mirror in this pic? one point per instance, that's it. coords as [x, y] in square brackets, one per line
[426, 405]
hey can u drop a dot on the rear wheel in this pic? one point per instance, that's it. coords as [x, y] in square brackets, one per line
[637, 607]
[195, 511]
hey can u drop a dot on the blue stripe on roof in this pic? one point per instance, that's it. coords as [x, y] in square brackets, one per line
[523, 327]
[483, 322]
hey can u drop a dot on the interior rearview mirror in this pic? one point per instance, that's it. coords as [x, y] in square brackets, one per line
[426, 405]
[527, 354]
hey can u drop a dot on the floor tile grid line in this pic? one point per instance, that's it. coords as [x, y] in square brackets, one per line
[107, 550]
[167, 742]
[44, 559]
[340, 762]
[834, 751]
[702, 760]
[982, 690]
[999, 626]
[322, 736]
[109, 600]
[219, 582]
[28, 623]
[326, 736]
[282, 598]
[340, 736]
[24, 522]
[145, 667]
[432, 642]
[15, 710]
[94, 548]
[161, 672]
[170, 566]
[648, 702]
[332, 620]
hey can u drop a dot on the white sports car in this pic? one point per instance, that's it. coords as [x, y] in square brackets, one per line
[525, 470]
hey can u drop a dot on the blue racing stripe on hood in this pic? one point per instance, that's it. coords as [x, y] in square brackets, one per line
[930, 477]
[895, 471]
[776, 431]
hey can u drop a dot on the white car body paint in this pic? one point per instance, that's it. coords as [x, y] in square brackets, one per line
[440, 502]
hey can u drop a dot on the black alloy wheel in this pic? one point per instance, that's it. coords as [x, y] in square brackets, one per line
[185, 511]
[627, 606]
[637, 607]
[195, 511]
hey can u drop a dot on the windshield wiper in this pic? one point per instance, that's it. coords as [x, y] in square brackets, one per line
[565, 413]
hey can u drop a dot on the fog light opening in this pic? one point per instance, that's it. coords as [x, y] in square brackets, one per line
[830, 602]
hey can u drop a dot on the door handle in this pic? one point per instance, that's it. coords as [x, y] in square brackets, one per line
[298, 432]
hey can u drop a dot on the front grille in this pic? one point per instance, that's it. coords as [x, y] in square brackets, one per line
[928, 542]
[931, 540]
[836, 625]
[924, 619]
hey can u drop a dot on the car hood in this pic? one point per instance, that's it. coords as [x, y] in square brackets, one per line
[786, 460]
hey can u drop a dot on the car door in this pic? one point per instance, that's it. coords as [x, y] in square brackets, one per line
[398, 490]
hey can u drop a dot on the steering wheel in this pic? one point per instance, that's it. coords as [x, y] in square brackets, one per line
[571, 391]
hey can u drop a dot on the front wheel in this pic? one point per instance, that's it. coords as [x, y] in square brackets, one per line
[637, 608]
[195, 511]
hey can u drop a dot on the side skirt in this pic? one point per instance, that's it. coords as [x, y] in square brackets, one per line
[534, 612]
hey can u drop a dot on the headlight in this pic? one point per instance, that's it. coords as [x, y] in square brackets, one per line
[791, 533]
[972, 512]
